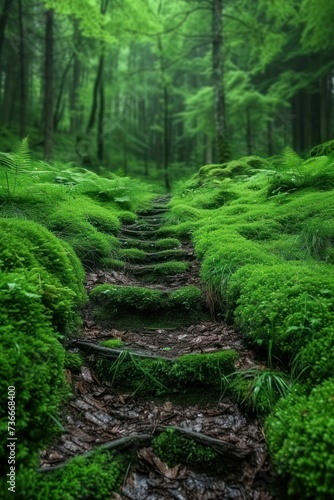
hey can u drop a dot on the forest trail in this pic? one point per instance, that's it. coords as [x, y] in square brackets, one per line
[103, 413]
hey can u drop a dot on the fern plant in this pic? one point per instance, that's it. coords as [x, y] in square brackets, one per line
[14, 163]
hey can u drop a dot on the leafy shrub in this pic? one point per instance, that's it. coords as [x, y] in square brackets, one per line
[173, 448]
[289, 302]
[31, 360]
[300, 438]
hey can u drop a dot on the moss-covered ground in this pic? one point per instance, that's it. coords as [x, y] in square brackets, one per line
[263, 232]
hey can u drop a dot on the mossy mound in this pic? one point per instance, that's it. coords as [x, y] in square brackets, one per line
[135, 307]
[137, 255]
[150, 273]
[284, 304]
[300, 438]
[31, 362]
[161, 376]
[173, 449]
[154, 245]
[96, 476]
[30, 249]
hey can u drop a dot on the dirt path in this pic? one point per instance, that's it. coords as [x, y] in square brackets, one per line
[98, 413]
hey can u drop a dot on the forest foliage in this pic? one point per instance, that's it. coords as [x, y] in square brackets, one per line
[133, 86]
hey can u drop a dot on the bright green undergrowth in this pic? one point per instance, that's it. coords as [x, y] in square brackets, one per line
[300, 437]
[31, 360]
[160, 376]
[152, 246]
[136, 307]
[95, 476]
[79, 206]
[173, 449]
[264, 234]
[28, 248]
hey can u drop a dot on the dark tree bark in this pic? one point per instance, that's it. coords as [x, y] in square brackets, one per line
[223, 150]
[58, 112]
[3, 22]
[23, 85]
[48, 94]
[100, 128]
[165, 118]
[249, 133]
[75, 85]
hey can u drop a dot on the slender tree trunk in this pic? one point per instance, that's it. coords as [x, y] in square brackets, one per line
[48, 95]
[270, 138]
[57, 113]
[223, 150]
[94, 108]
[23, 88]
[3, 22]
[75, 83]
[165, 117]
[249, 133]
[100, 128]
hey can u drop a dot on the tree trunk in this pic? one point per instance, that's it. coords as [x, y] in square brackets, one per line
[3, 22]
[48, 95]
[223, 150]
[248, 133]
[165, 117]
[94, 108]
[75, 84]
[58, 112]
[23, 88]
[100, 128]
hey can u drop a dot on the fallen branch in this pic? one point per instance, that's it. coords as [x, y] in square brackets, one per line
[225, 447]
[123, 443]
[106, 352]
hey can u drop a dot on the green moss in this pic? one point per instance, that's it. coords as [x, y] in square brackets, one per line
[173, 448]
[300, 438]
[153, 272]
[164, 377]
[73, 361]
[31, 360]
[80, 478]
[163, 244]
[132, 254]
[136, 307]
[287, 302]
[110, 264]
[29, 248]
[112, 343]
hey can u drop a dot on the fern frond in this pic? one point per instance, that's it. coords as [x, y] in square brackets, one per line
[21, 155]
[290, 160]
[7, 161]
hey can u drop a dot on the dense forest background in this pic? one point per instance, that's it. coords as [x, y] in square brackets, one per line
[154, 88]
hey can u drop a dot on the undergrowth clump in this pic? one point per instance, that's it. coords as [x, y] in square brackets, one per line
[161, 376]
[31, 360]
[30, 249]
[96, 476]
[299, 434]
[139, 306]
[173, 449]
[287, 302]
